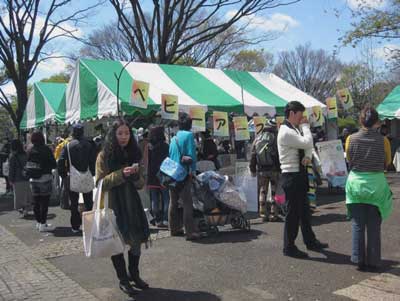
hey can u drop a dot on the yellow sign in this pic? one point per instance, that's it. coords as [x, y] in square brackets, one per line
[198, 116]
[259, 123]
[221, 124]
[345, 98]
[305, 114]
[241, 128]
[317, 116]
[139, 94]
[279, 120]
[169, 106]
[332, 107]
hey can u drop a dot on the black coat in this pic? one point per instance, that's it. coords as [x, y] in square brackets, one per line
[157, 153]
[83, 156]
[43, 155]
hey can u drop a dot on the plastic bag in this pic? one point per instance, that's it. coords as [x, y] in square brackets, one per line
[214, 180]
[233, 197]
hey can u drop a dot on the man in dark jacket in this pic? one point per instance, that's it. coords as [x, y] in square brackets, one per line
[264, 164]
[83, 157]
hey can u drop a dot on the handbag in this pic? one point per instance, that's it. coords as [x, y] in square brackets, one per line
[32, 170]
[101, 236]
[65, 202]
[79, 181]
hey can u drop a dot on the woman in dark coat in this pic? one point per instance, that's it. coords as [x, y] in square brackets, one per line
[118, 165]
[159, 195]
[22, 190]
[39, 166]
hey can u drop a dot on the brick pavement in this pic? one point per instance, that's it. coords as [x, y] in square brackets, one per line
[26, 275]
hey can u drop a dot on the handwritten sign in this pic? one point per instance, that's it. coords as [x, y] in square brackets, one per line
[241, 128]
[259, 123]
[332, 107]
[198, 116]
[139, 94]
[317, 119]
[169, 106]
[345, 98]
[221, 125]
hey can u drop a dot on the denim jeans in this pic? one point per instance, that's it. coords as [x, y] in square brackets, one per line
[366, 217]
[159, 203]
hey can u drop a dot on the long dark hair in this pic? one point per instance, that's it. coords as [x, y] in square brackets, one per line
[114, 154]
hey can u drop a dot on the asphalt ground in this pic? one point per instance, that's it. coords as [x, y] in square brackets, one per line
[232, 265]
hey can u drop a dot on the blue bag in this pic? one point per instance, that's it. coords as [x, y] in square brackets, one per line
[173, 169]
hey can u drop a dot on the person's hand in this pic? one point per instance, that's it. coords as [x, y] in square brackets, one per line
[304, 120]
[130, 170]
[210, 157]
[306, 161]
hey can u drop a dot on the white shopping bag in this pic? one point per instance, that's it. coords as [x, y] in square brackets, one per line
[101, 237]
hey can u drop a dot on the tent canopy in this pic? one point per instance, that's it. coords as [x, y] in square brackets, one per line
[92, 90]
[46, 103]
[390, 106]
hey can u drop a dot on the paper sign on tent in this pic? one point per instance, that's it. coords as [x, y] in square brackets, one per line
[279, 120]
[169, 106]
[241, 128]
[345, 98]
[198, 116]
[139, 94]
[317, 117]
[332, 107]
[221, 125]
[259, 123]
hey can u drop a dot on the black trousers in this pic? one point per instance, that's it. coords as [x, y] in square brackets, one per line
[76, 220]
[298, 214]
[41, 207]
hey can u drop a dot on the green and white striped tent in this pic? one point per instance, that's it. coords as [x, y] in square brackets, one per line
[46, 104]
[389, 108]
[92, 90]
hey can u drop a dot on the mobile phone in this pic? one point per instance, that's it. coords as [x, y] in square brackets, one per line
[136, 165]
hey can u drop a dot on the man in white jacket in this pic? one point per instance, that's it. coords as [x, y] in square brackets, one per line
[295, 144]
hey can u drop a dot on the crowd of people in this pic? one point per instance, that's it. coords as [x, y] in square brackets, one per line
[280, 158]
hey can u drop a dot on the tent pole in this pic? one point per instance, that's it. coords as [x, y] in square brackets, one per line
[118, 78]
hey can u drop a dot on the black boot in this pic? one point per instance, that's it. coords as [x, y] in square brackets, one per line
[120, 268]
[133, 268]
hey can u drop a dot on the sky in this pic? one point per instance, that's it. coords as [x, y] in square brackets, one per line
[311, 21]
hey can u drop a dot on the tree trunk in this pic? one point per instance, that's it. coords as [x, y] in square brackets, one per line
[22, 96]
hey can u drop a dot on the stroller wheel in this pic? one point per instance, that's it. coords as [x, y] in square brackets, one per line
[236, 222]
[203, 226]
[214, 230]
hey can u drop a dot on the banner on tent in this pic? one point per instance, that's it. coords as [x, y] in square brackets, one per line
[140, 93]
[259, 123]
[241, 128]
[345, 98]
[317, 119]
[198, 116]
[169, 106]
[331, 103]
[221, 125]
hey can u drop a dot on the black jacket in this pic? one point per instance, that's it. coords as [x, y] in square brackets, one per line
[157, 153]
[43, 155]
[83, 156]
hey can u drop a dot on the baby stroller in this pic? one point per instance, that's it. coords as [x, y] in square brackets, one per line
[217, 202]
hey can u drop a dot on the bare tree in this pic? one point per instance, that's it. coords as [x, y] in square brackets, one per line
[27, 28]
[251, 60]
[108, 42]
[177, 27]
[312, 71]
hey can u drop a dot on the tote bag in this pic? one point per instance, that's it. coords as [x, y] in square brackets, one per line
[101, 237]
[79, 181]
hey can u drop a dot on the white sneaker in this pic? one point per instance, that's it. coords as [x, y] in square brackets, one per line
[45, 228]
[37, 226]
[75, 230]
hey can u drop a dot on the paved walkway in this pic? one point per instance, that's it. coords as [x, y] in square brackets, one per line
[26, 275]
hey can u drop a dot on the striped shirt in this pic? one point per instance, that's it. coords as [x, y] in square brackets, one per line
[367, 151]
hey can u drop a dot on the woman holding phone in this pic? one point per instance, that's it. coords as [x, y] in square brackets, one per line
[118, 165]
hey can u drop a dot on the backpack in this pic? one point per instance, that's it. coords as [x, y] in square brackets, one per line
[266, 149]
